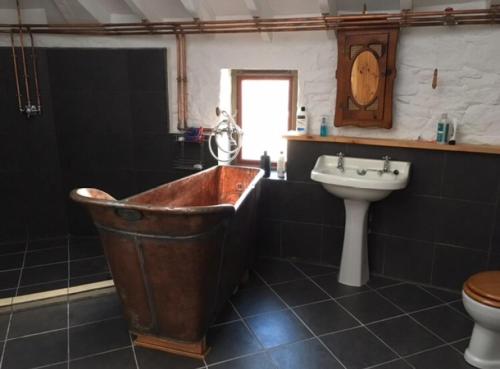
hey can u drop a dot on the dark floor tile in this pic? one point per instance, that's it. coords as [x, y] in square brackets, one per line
[152, 359]
[369, 307]
[325, 317]
[409, 297]
[43, 349]
[6, 294]
[98, 337]
[459, 306]
[14, 247]
[84, 267]
[253, 280]
[121, 359]
[314, 270]
[404, 335]
[358, 348]
[335, 289]
[227, 314]
[49, 256]
[89, 279]
[397, 364]
[444, 295]
[4, 322]
[442, 358]
[9, 279]
[229, 341]
[11, 261]
[309, 354]
[43, 274]
[377, 282]
[275, 271]
[462, 345]
[80, 250]
[446, 323]
[256, 301]
[92, 309]
[47, 244]
[277, 328]
[42, 287]
[63, 365]
[299, 292]
[38, 319]
[257, 361]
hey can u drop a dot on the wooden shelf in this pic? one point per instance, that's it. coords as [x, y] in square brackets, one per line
[412, 144]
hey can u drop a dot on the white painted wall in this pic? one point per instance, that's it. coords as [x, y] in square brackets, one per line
[468, 59]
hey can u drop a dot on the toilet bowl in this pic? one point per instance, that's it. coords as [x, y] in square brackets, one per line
[481, 297]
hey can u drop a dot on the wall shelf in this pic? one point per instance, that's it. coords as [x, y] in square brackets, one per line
[412, 144]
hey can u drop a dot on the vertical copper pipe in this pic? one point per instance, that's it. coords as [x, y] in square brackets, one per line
[180, 119]
[35, 73]
[184, 80]
[23, 55]
[16, 72]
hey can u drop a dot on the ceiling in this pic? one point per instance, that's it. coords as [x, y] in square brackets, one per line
[117, 11]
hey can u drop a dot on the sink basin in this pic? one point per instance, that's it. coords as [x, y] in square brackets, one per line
[359, 182]
[361, 179]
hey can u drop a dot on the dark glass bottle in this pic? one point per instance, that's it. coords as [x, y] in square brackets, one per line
[265, 163]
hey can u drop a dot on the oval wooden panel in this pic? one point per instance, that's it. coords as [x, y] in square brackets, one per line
[365, 77]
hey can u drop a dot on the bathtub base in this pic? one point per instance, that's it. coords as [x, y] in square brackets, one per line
[197, 350]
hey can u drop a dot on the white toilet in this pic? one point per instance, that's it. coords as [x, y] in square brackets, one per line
[481, 297]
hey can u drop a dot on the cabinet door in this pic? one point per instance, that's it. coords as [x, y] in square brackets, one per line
[365, 77]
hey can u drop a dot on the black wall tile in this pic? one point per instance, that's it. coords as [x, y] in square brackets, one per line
[452, 265]
[147, 69]
[405, 215]
[332, 243]
[465, 224]
[269, 238]
[301, 240]
[408, 259]
[471, 176]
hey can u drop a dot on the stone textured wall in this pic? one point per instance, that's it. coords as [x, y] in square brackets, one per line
[467, 59]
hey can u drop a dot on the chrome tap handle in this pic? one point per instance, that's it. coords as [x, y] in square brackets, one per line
[340, 161]
[387, 163]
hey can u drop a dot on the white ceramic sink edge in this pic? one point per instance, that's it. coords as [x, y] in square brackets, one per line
[371, 177]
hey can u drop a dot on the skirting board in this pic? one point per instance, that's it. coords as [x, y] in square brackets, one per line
[55, 293]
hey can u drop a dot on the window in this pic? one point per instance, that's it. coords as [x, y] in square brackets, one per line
[265, 105]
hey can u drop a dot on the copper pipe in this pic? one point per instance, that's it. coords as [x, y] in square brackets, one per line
[23, 55]
[16, 72]
[184, 80]
[180, 95]
[35, 73]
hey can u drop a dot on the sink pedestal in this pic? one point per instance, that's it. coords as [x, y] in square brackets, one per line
[354, 270]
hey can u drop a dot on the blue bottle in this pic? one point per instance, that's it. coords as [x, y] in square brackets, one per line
[323, 130]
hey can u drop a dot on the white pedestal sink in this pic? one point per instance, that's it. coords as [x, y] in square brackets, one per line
[358, 182]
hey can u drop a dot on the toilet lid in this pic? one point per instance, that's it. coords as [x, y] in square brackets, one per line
[484, 287]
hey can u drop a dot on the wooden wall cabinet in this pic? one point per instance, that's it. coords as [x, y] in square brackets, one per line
[365, 77]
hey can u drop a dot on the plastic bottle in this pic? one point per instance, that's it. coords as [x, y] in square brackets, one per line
[265, 163]
[281, 165]
[302, 126]
[323, 131]
[443, 128]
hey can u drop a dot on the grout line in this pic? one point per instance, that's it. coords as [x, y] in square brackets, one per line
[300, 319]
[356, 319]
[133, 351]
[99, 353]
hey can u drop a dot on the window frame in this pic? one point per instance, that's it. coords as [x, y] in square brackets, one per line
[238, 76]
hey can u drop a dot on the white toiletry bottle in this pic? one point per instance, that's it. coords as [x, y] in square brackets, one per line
[301, 126]
[281, 165]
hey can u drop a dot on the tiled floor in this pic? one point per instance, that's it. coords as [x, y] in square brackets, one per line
[42, 265]
[288, 316]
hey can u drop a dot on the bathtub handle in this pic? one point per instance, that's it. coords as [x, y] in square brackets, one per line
[130, 215]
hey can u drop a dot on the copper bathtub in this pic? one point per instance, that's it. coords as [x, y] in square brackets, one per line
[177, 252]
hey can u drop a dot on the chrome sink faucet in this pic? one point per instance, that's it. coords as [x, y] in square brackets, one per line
[387, 164]
[340, 162]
